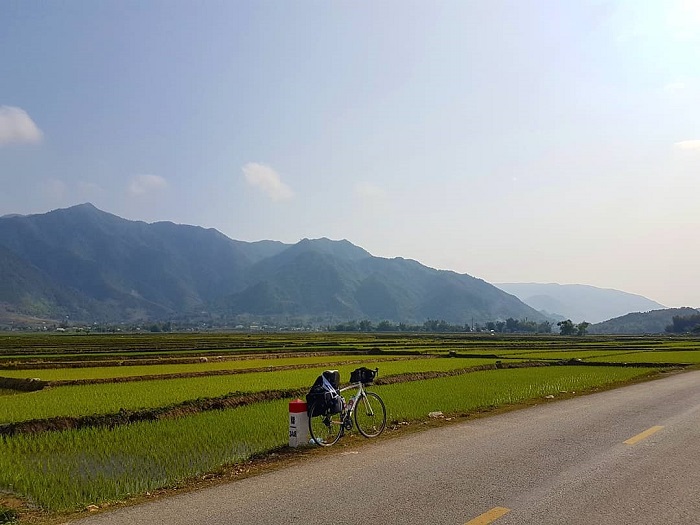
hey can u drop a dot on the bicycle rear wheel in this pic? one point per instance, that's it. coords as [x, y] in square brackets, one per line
[326, 428]
[370, 415]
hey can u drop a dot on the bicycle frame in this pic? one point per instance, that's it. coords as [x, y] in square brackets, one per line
[352, 402]
[348, 412]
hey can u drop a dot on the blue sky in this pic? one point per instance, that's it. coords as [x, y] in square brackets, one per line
[517, 141]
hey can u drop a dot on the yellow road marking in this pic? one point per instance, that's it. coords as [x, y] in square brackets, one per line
[636, 439]
[489, 517]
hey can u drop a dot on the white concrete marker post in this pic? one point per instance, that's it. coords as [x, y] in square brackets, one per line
[298, 424]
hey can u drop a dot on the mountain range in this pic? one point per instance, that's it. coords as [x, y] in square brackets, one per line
[579, 302]
[86, 265]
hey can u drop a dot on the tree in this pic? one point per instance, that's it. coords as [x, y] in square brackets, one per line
[545, 327]
[386, 326]
[566, 327]
[512, 325]
[581, 328]
[365, 325]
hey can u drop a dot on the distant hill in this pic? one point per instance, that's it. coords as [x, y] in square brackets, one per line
[654, 322]
[91, 266]
[579, 302]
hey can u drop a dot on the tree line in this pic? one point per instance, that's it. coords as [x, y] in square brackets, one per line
[510, 325]
[684, 324]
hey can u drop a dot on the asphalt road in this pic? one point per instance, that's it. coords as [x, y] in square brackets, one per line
[564, 463]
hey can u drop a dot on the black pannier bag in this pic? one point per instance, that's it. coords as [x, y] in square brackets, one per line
[326, 390]
[362, 375]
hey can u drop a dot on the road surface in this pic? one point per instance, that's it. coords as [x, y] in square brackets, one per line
[626, 456]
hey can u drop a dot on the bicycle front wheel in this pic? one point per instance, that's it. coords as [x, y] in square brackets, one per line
[326, 428]
[370, 415]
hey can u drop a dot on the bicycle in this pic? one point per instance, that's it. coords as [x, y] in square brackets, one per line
[368, 410]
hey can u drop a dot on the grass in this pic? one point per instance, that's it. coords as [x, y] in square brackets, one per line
[487, 389]
[564, 355]
[7, 392]
[39, 346]
[69, 470]
[84, 400]
[65, 471]
[8, 516]
[651, 356]
[110, 372]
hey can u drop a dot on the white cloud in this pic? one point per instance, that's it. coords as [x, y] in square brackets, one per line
[17, 127]
[688, 145]
[267, 180]
[144, 184]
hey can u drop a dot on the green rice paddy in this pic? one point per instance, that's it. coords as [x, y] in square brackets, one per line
[64, 471]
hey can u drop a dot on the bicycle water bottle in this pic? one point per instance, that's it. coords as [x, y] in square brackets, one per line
[350, 402]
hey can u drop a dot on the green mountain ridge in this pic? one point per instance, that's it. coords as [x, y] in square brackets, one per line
[635, 323]
[94, 266]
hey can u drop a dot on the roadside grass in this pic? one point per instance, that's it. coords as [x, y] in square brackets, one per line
[8, 392]
[66, 471]
[8, 516]
[490, 389]
[69, 470]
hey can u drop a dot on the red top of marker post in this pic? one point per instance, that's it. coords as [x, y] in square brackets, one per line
[297, 406]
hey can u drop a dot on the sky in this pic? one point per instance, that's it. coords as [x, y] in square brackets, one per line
[515, 141]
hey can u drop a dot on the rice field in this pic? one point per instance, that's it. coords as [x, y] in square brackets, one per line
[690, 357]
[69, 470]
[64, 471]
[489, 389]
[119, 371]
[82, 400]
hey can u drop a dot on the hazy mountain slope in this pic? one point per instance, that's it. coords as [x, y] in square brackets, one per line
[579, 302]
[259, 250]
[654, 322]
[429, 293]
[27, 291]
[155, 268]
[95, 266]
[338, 281]
[305, 279]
